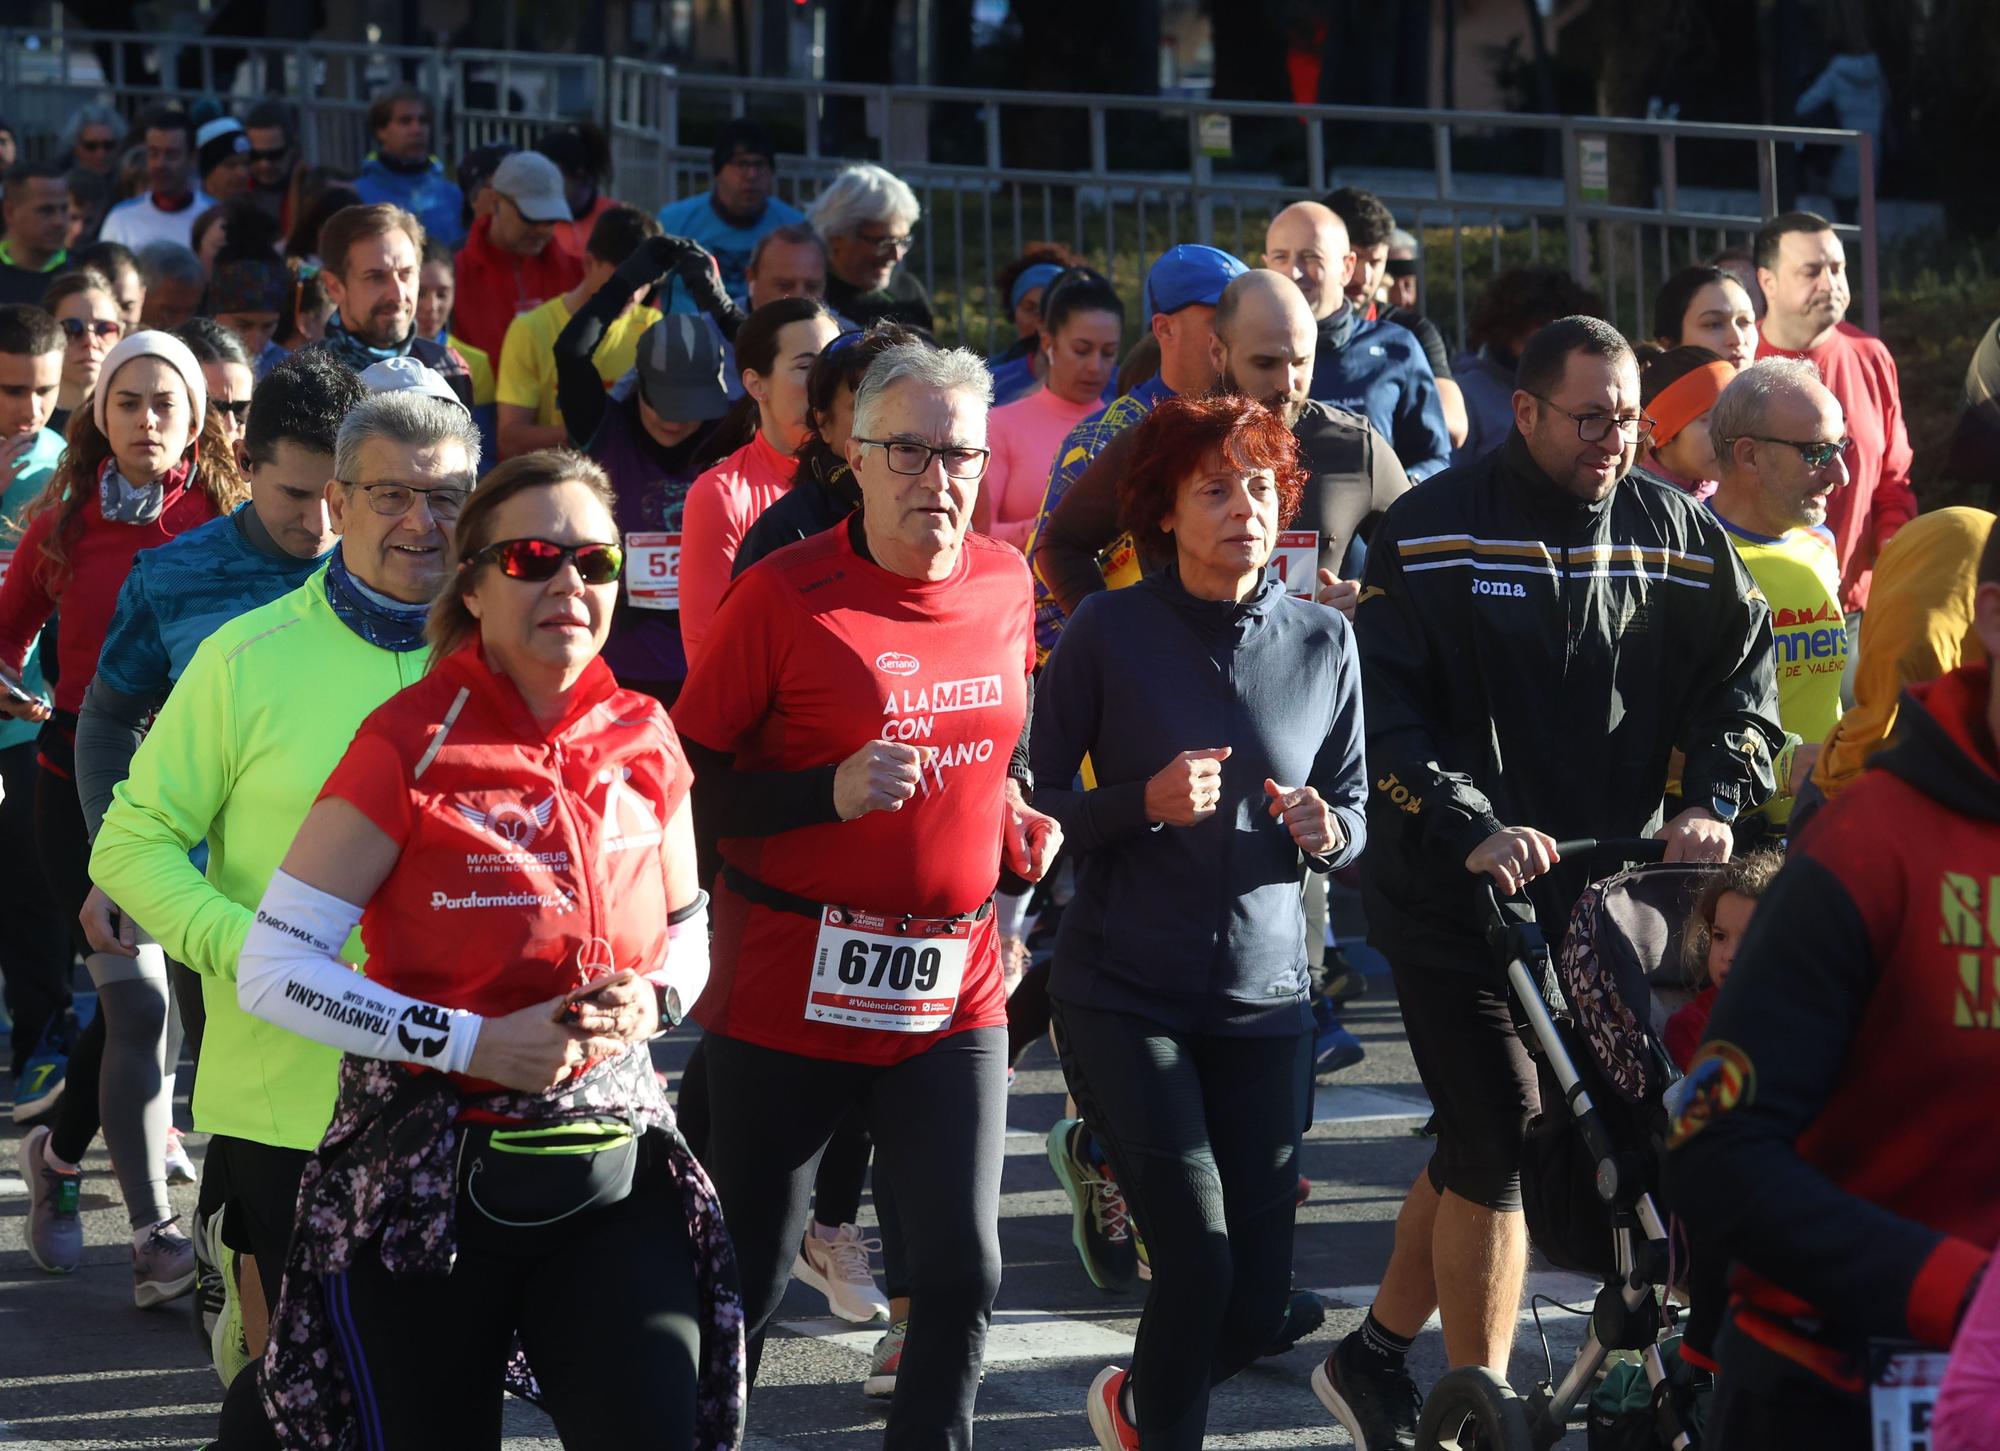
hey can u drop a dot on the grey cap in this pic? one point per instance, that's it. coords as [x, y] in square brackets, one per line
[533, 183]
[680, 369]
[398, 375]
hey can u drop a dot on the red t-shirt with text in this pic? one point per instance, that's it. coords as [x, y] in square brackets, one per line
[815, 652]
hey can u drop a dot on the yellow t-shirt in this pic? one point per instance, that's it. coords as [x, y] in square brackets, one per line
[528, 355]
[479, 365]
[1799, 576]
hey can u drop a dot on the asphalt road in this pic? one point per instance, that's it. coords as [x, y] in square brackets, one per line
[80, 1367]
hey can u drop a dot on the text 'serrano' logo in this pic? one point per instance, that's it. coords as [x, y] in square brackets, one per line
[895, 662]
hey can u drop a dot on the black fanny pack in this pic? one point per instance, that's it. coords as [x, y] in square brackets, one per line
[524, 1176]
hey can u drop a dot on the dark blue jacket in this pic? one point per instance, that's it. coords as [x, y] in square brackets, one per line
[1378, 369]
[1198, 927]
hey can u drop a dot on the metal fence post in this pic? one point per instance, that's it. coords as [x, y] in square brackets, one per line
[1577, 228]
[1871, 250]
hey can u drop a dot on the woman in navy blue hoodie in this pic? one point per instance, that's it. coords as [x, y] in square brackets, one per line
[1222, 719]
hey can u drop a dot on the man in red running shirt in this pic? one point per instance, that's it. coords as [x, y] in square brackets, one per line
[1802, 270]
[859, 747]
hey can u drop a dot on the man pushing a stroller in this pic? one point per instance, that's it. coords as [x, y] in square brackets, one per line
[1539, 633]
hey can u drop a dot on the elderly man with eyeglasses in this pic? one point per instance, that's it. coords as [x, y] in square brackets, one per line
[868, 217]
[1539, 632]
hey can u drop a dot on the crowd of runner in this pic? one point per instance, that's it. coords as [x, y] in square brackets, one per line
[456, 628]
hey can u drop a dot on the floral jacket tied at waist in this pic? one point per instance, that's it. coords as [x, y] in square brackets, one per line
[386, 1174]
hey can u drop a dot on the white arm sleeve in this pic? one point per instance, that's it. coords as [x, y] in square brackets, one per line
[290, 974]
[685, 972]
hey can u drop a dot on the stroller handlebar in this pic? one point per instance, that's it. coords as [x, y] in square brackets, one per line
[1627, 848]
[1619, 848]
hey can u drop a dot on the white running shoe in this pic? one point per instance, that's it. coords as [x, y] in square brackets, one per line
[839, 1270]
[180, 1168]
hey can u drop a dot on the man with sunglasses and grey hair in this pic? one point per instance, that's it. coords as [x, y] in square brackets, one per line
[1781, 439]
[860, 748]
[1539, 632]
[260, 716]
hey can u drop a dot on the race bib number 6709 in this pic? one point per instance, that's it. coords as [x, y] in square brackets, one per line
[890, 974]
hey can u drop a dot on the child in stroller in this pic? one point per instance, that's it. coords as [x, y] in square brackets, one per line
[1591, 1166]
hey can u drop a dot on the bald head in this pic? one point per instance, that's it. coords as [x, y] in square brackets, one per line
[1265, 336]
[1307, 242]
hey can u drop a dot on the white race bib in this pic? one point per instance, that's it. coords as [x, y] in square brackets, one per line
[1297, 561]
[6, 559]
[1901, 1395]
[892, 974]
[653, 571]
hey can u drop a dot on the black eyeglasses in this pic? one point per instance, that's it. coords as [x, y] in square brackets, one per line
[111, 145]
[537, 560]
[75, 327]
[906, 457]
[392, 501]
[272, 153]
[1596, 427]
[238, 410]
[1817, 455]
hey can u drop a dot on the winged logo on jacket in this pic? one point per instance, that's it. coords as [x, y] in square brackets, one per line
[515, 823]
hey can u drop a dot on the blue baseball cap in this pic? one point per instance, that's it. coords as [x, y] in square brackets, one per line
[1186, 275]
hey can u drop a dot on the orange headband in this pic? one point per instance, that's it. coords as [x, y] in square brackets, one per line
[1685, 399]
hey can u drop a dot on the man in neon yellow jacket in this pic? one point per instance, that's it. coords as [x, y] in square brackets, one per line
[258, 719]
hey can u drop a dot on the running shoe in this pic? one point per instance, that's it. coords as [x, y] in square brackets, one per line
[162, 1266]
[883, 1364]
[1340, 979]
[1304, 1314]
[39, 1085]
[1100, 1224]
[1107, 1414]
[54, 1231]
[839, 1270]
[180, 1168]
[1334, 1048]
[1378, 1408]
[218, 1308]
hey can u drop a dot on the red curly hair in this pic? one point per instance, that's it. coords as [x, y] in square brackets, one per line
[1181, 437]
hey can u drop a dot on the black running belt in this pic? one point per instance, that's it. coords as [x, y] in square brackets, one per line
[752, 890]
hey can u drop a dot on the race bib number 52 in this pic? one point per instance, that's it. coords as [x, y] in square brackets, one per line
[891, 974]
[653, 571]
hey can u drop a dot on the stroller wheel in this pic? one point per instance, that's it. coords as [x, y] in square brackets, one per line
[1473, 1408]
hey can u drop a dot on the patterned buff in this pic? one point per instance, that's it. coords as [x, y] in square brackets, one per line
[357, 354]
[123, 502]
[381, 621]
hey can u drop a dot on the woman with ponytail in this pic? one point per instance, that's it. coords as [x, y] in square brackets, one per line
[775, 349]
[147, 460]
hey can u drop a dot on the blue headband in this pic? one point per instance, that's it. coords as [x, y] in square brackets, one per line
[1039, 275]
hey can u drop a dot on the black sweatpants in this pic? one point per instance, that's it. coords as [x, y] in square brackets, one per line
[260, 1185]
[939, 1124]
[1203, 1133]
[604, 1303]
[35, 947]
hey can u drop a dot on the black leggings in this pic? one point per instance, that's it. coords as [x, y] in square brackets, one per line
[1203, 1133]
[604, 1303]
[65, 851]
[259, 1188]
[35, 947]
[843, 1168]
[939, 1125]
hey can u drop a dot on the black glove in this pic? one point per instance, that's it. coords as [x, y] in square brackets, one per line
[697, 273]
[654, 259]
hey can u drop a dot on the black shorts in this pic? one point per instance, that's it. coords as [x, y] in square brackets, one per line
[260, 1189]
[1479, 1077]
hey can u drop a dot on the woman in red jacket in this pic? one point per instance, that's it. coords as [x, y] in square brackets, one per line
[146, 461]
[513, 838]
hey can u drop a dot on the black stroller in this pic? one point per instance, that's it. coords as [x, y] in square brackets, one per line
[1590, 1195]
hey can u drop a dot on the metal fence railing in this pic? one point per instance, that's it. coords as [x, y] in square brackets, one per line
[1482, 190]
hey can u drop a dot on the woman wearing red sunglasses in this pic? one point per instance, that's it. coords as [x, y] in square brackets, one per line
[512, 836]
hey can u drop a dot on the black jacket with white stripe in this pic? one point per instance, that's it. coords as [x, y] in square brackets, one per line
[1531, 659]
